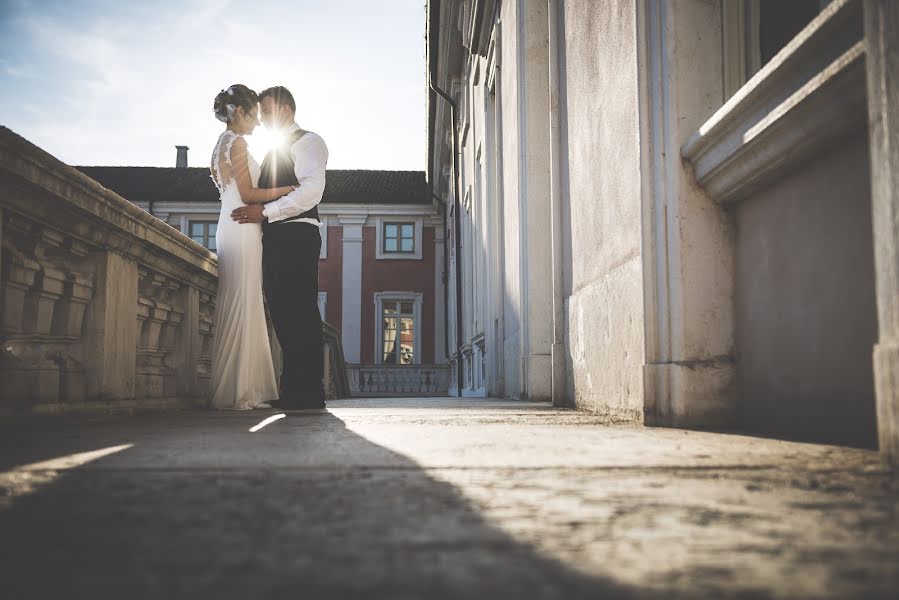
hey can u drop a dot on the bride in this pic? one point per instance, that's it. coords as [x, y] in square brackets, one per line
[243, 375]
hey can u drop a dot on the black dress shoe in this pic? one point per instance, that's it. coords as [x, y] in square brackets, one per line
[284, 404]
[311, 401]
[320, 405]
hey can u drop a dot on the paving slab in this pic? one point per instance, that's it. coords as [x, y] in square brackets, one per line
[436, 498]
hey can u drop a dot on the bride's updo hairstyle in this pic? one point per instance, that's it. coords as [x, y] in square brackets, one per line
[227, 101]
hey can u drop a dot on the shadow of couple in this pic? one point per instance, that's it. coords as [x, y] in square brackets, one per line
[184, 506]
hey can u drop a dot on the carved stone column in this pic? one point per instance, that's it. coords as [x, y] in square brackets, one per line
[206, 329]
[19, 273]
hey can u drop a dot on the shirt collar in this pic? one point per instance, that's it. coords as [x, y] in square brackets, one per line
[290, 129]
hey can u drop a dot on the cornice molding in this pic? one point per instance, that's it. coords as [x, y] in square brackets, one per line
[810, 96]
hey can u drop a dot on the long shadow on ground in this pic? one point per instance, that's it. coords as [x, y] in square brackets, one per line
[289, 512]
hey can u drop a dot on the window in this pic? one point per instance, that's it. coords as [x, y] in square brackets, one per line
[779, 22]
[203, 232]
[756, 30]
[399, 333]
[322, 304]
[399, 238]
[399, 318]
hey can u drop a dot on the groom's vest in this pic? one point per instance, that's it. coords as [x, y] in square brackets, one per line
[278, 170]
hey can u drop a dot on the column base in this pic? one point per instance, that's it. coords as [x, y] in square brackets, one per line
[695, 394]
[886, 386]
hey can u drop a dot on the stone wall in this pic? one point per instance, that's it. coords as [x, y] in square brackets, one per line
[786, 159]
[100, 301]
[804, 343]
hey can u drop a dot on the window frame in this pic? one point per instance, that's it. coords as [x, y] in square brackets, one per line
[417, 241]
[400, 238]
[206, 236]
[323, 304]
[382, 298]
[741, 44]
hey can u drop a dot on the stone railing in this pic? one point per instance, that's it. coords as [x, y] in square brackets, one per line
[101, 304]
[398, 380]
[336, 382]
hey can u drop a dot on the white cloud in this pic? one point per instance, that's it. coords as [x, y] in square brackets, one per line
[129, 86]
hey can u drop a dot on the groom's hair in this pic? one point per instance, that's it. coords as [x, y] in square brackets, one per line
[281, 96]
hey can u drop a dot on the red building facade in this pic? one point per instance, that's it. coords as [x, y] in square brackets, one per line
[380, 270]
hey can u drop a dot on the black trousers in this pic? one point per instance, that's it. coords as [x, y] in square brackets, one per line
[290, 254]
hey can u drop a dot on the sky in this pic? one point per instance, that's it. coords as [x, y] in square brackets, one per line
[100, 82]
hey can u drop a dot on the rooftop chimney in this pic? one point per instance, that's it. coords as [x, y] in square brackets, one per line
[181, 161]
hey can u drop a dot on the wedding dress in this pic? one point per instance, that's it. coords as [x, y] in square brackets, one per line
[243, 374]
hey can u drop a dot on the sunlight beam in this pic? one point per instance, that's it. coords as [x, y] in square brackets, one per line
[27, 479]
[71, 461]
[267, 421]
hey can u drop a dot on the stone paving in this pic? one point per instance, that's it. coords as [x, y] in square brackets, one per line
[434, 498]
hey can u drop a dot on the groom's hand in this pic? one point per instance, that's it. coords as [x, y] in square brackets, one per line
[251, 213]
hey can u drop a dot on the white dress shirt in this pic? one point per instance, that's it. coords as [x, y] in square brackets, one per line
[310, 158]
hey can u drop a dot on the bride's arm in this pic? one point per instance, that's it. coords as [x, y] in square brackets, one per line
[248, 193]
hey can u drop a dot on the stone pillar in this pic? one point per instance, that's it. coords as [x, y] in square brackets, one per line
[439, 297]
[187, 344]
[534, 194]
[110, 339]
[689, 374]
[351, 321]
[556, 146]
[882, 41]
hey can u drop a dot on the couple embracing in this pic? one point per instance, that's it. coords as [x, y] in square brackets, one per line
[267, 237]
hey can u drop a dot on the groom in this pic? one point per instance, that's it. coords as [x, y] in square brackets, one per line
[291, 244]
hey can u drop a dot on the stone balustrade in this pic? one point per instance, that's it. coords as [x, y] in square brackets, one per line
[101, 304]
[398, 380]
[335, 377]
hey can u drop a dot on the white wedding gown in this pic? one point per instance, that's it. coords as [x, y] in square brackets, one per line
[243, 374]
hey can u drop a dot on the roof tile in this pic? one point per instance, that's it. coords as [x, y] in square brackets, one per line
[169, 184]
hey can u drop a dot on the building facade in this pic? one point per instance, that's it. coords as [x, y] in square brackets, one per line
[681, 213]
[380, 270]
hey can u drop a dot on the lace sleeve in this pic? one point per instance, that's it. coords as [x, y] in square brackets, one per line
[222, 167]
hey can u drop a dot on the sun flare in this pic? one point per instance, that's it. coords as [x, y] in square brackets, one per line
[264, 140]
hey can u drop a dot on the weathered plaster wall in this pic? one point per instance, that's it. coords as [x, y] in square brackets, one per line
[806, 316]
[603, 277]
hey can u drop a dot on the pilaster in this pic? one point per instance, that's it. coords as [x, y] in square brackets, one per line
[351, 303]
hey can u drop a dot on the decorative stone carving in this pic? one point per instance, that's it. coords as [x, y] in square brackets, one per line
[28, 375]
[18, 276]
[206, 330]
[158, 320]
[46, 289]
[68, 317]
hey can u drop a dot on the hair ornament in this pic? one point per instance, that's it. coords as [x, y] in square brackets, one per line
[226, 118]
